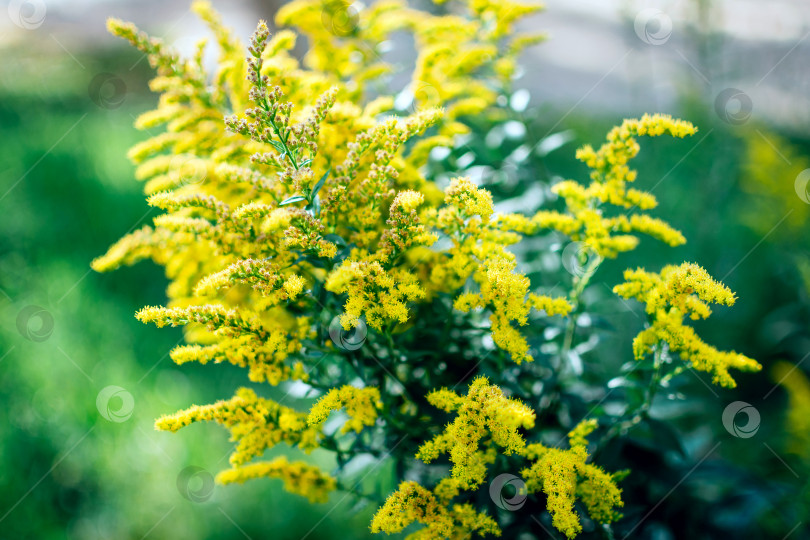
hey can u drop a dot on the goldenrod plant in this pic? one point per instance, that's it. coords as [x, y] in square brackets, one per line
[304, 241]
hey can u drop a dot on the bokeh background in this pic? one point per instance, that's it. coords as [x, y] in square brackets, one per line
[81, 381]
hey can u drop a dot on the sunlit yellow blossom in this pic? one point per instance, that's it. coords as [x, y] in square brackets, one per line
[484, 413]
[564, 476]
[298, 477]
[297, 202]
[677, 292]
[265, 360]
[379, 295]
[255, 424]
[479, 251]
[412, 503]
[361, 406]
[585, 221]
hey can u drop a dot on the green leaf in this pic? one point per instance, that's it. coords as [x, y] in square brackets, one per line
[666, 436]
[314, 207]
[320, 183]
[277, 145]
[336, 239]
[293, 199]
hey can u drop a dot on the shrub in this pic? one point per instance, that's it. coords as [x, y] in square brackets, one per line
[304, 242]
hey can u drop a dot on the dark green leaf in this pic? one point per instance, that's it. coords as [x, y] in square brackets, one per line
[320, 183]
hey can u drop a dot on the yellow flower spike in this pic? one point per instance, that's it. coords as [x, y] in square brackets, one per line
[298, 477]
[141, 244]
[379, 295]
[578, 437]
[565, 476]
[445, 399]
[469, 198]
[264, 359]
[676, 292]
[610, 176]
[483, 413]
[361, 406]
[412, 503]
[255, 424]
[215, 317]
[479, 252]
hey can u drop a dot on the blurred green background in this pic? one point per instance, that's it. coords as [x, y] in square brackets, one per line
[79, 461]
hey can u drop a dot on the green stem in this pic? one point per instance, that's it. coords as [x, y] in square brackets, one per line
[580, 283]
[636, 415]
[271, 113]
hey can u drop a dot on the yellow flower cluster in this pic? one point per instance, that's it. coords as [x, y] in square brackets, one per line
[411, 503]
[298, 477]
[671, 295]
[348, 44]
[585, 221]
[309, 200]
[255, 423]
[379, 295]
[565, 476]
[215, 316]
[261, 275]
[265, 359]
[361, 406]
[258, 206]
[484, 417]
[479, 251]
